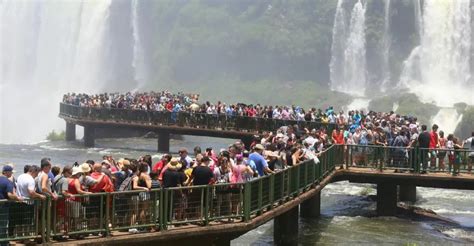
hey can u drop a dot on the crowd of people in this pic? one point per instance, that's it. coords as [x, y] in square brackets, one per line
[268, 153]
[355, 127]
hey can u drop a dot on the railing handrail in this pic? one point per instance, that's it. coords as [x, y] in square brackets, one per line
[256, 196]
[257, 122]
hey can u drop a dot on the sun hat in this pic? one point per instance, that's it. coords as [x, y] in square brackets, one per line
[174, 164]
[259, 146]
[76, 170]
[85, 168]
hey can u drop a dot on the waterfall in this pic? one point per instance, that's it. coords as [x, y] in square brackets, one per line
[443, 57]
[358, 104]
[418, 18]
[348, 68]
[386, 43]
[48, 48]
[138, 62]
[336, 65]
[447, 119]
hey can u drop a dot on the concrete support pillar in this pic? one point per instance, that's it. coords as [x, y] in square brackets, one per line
[386, 199]
[311, 208]
[163, 141]
[407, 193]
[89, 136]
[285, 228]
[70, 131]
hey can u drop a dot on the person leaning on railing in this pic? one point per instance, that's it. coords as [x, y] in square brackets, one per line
[7, 193]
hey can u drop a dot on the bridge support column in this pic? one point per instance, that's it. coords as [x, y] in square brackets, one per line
[407, 193]
[311, 208]
[163, 141]
[285, 228]
[70, 131]
[386, 199]
[89, 136]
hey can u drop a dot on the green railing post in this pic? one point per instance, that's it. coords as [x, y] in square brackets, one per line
[167, 209]
[107, 214]
[206, 194]
[272, 190]
[417, 159]
[380, 155]
[260, 196]
[101, 214]
[43, 226]
[247, 201]
[162, 209]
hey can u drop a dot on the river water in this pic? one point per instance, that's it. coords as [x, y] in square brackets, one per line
[347, 210]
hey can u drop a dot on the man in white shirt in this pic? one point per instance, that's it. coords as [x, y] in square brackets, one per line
[26, 184]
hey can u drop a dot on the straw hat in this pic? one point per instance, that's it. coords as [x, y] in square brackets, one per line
[174, 164]
[259, 147]
[85, 168]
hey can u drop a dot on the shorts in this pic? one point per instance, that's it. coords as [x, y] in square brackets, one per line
[144, 196]
[441, 154]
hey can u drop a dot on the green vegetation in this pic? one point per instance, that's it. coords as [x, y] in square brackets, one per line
[200, 41]
[53, 136]
[408, 104]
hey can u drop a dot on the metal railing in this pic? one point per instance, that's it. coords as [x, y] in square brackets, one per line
[160, 209]
[186, 119]
[408, 159]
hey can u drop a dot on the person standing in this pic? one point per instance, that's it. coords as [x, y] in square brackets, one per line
[201, 175]
[43, 182]
[26, 190]
[7, 192]
[442, 151]
[469, 143]
[173, 178]
[434, 144]
[260, 162]
[424, 143]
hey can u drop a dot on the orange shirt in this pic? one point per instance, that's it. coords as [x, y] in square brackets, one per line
[338, 138]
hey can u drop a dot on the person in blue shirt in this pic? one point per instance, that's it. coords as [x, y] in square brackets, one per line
[260, 162]
[7, 192]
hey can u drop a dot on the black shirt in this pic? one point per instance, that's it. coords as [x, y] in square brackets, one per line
[173, 178]
[202, 175]
[424, 140]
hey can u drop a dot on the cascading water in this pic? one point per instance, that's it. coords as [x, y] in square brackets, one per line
[447, 119]
[48, 48]
[386, 43]
[338, 45]
[138, 63]
[439, 69]
[348, 67]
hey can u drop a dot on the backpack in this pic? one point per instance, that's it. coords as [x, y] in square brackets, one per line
[126, 183]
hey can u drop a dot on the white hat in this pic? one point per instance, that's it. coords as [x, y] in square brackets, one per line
[76, 170]
[85, 167]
